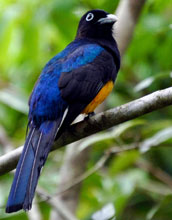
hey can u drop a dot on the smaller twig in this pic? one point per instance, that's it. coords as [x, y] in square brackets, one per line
[158, 188]
[155, 171]
[82, 177]
[117, 150]
[56, 204]
[164, 177]
[96, 167]
[100, 164]
[114, 150]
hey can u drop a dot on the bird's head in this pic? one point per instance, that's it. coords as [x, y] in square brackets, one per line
[96, 24]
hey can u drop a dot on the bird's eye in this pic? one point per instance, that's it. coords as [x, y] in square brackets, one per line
[89, 17]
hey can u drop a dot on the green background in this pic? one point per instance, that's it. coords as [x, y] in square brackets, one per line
[33, 31]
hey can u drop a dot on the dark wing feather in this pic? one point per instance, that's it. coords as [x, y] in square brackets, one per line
[81, 85]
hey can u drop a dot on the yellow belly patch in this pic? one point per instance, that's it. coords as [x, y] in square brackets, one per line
[100, 97]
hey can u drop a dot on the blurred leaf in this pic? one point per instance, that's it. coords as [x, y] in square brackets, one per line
[13, 100]
[107, 212]
[144, 84]
[160, 137]
[111, 134]
[152, 212]
[123, 161]
[164, 210]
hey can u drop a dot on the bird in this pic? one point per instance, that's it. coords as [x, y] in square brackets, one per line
[73, 82]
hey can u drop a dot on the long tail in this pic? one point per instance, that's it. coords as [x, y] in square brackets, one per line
[37, 146]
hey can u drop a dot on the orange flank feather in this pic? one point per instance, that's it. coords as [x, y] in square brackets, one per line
[100, 97]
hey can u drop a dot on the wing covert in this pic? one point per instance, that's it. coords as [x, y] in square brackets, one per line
[82, 84]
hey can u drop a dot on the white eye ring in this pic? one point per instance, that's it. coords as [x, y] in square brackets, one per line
[89, 17]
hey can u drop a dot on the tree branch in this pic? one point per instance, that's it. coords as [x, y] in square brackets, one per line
[58, 205]
[99, 122]
[155, 171]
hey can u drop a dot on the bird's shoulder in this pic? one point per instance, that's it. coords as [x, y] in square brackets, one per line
[85, 72]
[76, 54]
[46, 92]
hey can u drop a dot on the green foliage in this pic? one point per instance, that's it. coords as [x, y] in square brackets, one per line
[31, 32]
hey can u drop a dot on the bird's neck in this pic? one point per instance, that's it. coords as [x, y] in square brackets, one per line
[112, 47]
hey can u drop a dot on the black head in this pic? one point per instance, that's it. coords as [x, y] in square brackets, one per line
[96, 24]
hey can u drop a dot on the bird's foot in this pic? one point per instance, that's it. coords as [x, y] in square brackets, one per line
[89, 115]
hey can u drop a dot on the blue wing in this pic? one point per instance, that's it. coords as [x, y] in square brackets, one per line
[46, 102]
